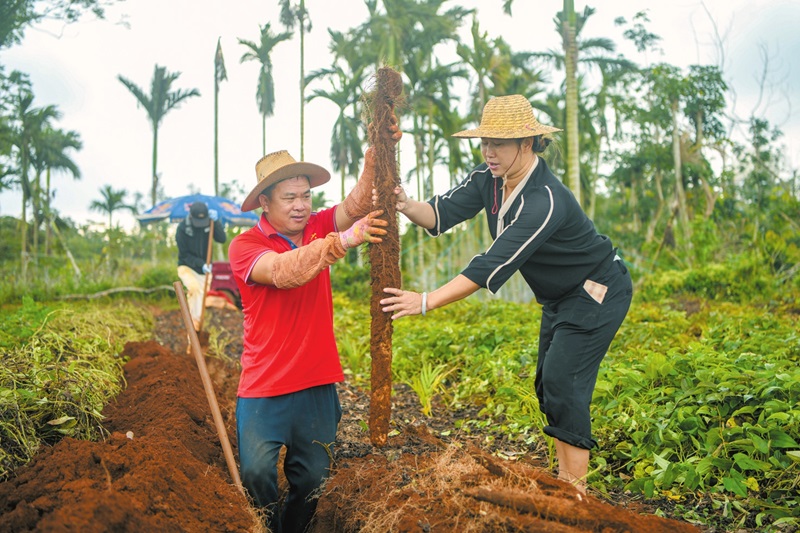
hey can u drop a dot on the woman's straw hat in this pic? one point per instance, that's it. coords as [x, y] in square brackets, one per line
[507, 117]
[279, 166]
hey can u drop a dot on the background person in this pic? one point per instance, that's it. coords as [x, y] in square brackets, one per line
[540, 230]
[192, 239]
[290, 364]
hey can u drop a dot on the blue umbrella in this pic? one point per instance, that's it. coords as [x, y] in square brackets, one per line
[176, 209]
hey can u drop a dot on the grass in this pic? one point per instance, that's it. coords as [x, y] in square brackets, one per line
[61, 365]
[698, 407]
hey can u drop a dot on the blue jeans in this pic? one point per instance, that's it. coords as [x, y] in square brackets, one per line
[305, 422]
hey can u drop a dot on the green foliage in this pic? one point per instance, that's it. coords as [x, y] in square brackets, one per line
[696, 401]
[105, 260]
[156, 276]
[351, 279]
[704, 405]
[61, 365]
[742, 279]
[19, 15]
[9, 238]
[428, 383]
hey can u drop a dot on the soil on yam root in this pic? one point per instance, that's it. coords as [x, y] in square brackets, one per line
[172, 475]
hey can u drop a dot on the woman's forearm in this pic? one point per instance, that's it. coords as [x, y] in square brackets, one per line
[420, 213]
[456, 289]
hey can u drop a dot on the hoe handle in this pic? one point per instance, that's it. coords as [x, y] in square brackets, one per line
[208, 385]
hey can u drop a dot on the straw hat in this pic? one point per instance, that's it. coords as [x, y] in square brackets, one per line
[507, 117]
[279, 166]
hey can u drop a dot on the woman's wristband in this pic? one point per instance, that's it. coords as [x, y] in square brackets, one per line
[424, 303]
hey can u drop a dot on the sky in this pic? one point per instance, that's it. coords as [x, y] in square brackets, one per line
[75, 68]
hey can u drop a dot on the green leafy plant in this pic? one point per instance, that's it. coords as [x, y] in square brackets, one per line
[427, 383]
[218, 343]
[354, 350]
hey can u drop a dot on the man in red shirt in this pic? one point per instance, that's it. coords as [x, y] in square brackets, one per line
[290, 364]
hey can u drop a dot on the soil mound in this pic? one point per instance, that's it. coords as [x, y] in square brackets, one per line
[162, 467]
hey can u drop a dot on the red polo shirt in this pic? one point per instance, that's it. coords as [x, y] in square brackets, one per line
[288, 333]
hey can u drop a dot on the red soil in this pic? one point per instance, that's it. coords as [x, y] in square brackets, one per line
[172, 476]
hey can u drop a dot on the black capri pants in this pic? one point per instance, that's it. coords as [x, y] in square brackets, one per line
[575, 334]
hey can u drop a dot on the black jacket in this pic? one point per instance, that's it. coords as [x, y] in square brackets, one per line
[193, 243]
[543, 233]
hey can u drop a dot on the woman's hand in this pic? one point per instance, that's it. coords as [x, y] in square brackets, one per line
[406, 303]
[402, 198]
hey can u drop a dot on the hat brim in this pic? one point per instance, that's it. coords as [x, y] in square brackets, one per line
[315, 173]
[200, 222]
[519, 133]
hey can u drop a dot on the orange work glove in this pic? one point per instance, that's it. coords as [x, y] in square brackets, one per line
[366, 229]
[299, 266]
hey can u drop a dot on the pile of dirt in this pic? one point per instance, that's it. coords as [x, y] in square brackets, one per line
[162, 467]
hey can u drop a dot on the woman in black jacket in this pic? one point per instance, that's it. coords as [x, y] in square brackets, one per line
[540, 230]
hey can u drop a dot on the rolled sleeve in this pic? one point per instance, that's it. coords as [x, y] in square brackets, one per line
[459, 203]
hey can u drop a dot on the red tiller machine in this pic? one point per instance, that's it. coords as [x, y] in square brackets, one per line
[222, 281]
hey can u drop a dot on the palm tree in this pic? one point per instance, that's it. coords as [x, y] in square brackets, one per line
[29, 123]
[52, 153]
[480, 56]
[590, 52]
[291, 15]
[430, 97]
[265, 93]
[569, 36]
[394, 36]
[157, 104]
[347, 131]
[112, 201]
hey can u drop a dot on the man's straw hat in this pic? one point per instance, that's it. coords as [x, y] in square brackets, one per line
[279, 166]
[507, 117]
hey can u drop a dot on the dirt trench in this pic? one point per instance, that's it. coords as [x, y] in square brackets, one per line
[161, 468]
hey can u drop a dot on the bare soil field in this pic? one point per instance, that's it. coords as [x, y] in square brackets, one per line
[162, 468]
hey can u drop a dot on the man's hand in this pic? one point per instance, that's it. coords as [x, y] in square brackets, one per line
[207, 268]
[213, 215]
[366, 229]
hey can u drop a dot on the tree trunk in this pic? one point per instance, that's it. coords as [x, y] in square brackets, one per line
[48, 231]
[23, 223]
[64, 245]
[37, 216]
[418, 149]
[264, 134]
[154, 191]
[570, 66]
[680, 194]
[302, 77]
[385, 256]
[216, 133]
